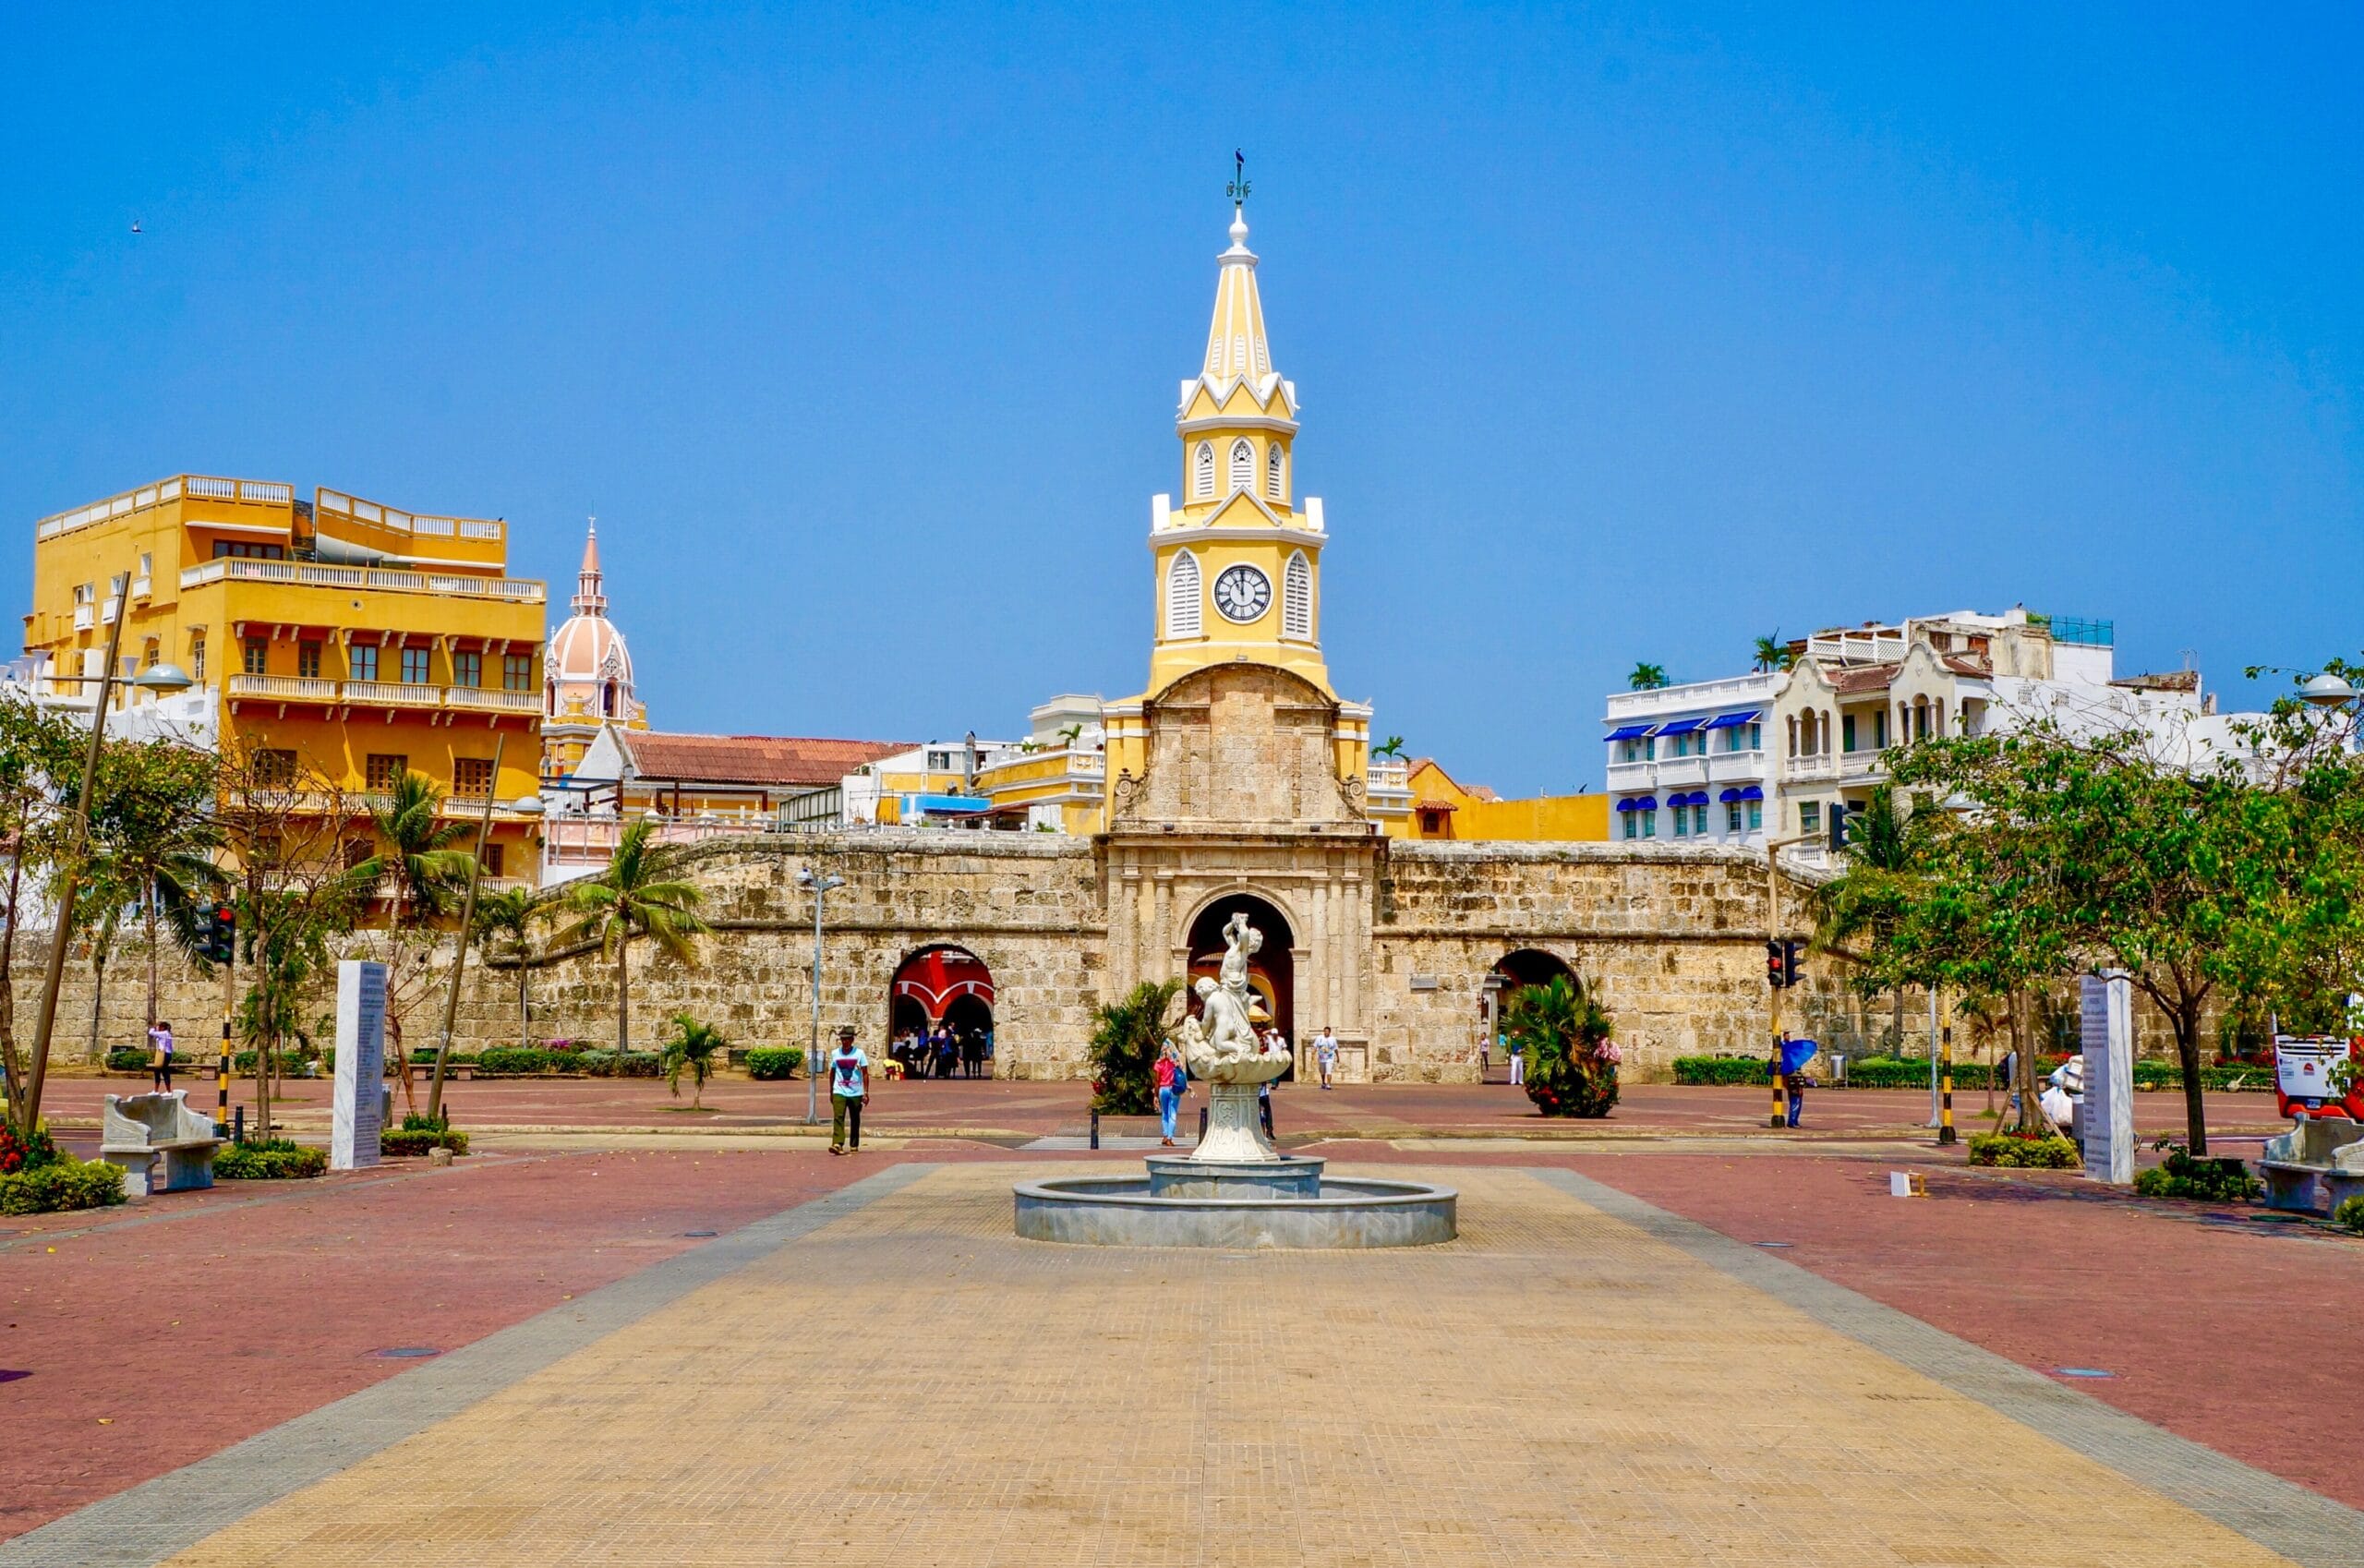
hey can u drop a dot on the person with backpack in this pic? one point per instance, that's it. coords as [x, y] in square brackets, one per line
[160, 1056]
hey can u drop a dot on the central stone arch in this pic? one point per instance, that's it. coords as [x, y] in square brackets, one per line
[1271, 972]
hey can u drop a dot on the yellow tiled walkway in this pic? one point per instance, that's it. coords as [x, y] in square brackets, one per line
[912, 1385]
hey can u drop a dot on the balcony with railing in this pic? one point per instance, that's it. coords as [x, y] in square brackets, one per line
[1820, 765]
[373, 525]
[381, 694]
[196, 486]
[344, 579]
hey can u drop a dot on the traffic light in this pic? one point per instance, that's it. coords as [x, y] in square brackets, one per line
[218, 936]
[1773, 965]
[1839, 812]
[1792, 951]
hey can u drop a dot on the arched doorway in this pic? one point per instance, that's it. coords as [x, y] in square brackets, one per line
[1512, 972]
[937, 991]
[1271, 972]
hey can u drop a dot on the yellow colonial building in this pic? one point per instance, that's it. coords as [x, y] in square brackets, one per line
[357, 638]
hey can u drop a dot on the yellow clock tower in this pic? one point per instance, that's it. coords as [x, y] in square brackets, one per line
[1238, 562]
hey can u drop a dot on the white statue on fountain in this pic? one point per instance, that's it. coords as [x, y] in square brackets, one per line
[1220, 1045]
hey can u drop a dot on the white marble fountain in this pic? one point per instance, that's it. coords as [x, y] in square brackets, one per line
[1235, 1188]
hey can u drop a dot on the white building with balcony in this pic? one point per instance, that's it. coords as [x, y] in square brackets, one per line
[1689, 764]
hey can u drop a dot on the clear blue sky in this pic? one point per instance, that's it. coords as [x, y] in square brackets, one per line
[1621, 333]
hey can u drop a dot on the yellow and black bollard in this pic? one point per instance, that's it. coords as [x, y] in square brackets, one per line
[1945, 1090]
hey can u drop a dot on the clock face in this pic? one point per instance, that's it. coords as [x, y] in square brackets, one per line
[1242, 593]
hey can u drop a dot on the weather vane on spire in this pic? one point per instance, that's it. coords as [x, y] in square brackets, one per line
[1237, 189]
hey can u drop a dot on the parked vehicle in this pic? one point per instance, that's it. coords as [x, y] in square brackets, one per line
[2306, 1082]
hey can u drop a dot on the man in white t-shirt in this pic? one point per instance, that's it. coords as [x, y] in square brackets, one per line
[1325, 1054]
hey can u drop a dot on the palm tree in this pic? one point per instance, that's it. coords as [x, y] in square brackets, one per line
[416, 861]
[1564, 1032]
[1393, 747]
[634, 898]
[505, 921]
[1881, 846]
[1123, 1048]
[1773, 654]
[692, 1046]
[1647, 677]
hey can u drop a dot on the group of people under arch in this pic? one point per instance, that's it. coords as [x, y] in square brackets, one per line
[942, 1015]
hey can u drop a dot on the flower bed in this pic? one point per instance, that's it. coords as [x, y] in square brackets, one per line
[768, 1062]
[2015, 1151]
[275, 1159]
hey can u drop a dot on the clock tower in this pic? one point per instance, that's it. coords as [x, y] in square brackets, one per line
[1238, 561]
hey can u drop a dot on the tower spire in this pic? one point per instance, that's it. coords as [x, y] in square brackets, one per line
[588, 599]
[1237, 345]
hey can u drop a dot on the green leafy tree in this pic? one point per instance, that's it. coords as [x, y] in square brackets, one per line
[1879, 865]
[420, 870]
[1647, 677]
[504, 927]
[692, 1050]
[39, 752]
[1125, 1044]
[153, 836]
[1564, 1035]
[637, 895]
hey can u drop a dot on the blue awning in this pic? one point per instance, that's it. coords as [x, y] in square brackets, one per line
[1751, 793]
[946, 805]
[1629, 731]
[1679, 727]
[1728, 796]
[1696, 798]
[1645, 803]
[1731, 721]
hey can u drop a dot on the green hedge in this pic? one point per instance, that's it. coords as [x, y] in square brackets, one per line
[2054, 1153]
[2206, 1180]
[775, 1061]
[276, 1159]
[397, 1143]
[1719, 1070]
[519, 1059]
[2350, 1215]
[63, 1183]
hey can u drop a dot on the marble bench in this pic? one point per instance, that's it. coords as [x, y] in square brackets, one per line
[2314, 1166]
[139, 1129]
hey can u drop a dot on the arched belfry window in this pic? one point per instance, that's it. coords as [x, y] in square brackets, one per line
[1243, 465]
[1203, 478]
[1182, 595]
[1296, 598]
[1272, 471]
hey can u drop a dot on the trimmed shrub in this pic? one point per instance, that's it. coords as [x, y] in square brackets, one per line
[127, 1058]
[2205, 1180]
[1909, 1072]
[521, 1059]
[2011, 1149]
[63, 1183]
[1719, 1070]
[275, 1159]
[774, 1061]
[2350, 1215]
[405, 1142]
[602, 1064]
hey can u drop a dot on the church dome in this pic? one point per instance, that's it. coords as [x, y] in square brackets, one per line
[586, 668]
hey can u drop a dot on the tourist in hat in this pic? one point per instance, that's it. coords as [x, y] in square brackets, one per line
[848, 1089]
[1325, 1054]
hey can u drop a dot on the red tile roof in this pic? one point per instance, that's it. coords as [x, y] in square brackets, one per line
[751, 759]
[1870, 678]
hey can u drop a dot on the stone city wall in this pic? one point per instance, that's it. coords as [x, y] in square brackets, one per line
[1673, 939]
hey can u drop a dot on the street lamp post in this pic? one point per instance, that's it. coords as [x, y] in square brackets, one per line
[819, 886]
[158, 679]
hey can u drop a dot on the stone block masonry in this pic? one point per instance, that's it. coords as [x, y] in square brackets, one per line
[1400, 939]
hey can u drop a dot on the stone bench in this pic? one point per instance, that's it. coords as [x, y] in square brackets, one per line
[2314, 1166]
[139, 1129]
[422, 1069]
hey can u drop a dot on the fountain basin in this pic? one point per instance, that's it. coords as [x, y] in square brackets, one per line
[1351, 1212]
[1180, 1175]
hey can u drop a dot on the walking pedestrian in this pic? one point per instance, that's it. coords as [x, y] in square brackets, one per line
[1264, 1106]
[2010, 1071]
[944, 1052]
[1518, 1063]
[848, 1091]
[160, 1056]
[1797, 1083]
[1169, 1093]
[1325, 1054]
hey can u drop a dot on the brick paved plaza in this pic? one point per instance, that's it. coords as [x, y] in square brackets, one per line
[1603, 1368]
